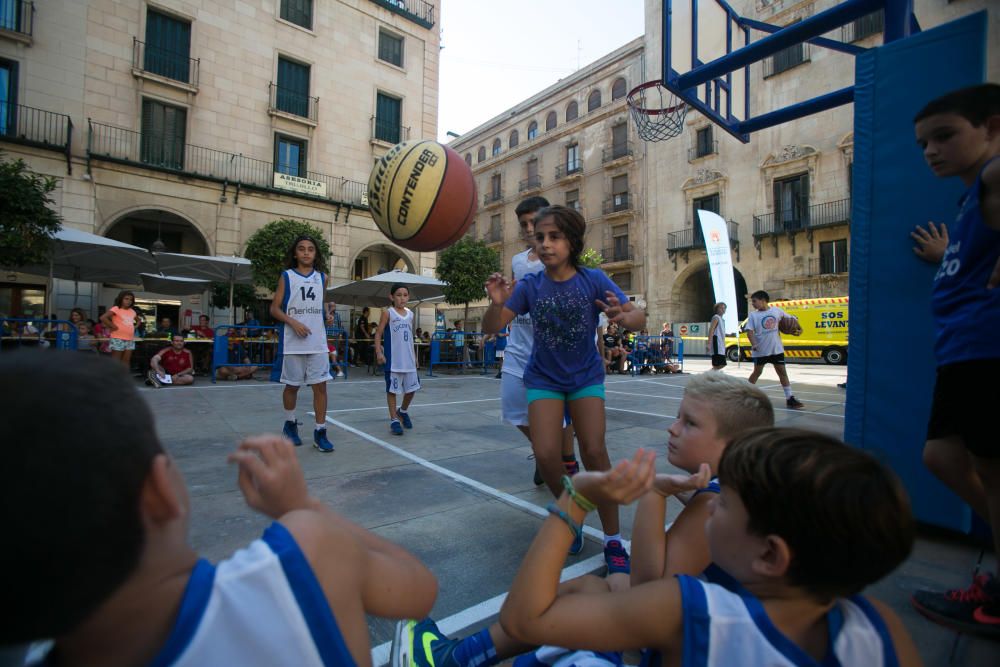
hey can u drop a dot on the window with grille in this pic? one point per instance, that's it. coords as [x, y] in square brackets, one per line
[550, 121]
[8, 97]
[791, 203]
[289, 156]
[709, 203]
[168, 46]
[594, 100]
[573, 199]
[573, 159]
[619, 140]
[162, 136]
[298, 12]
[388, 118]
[866, 26]
[703, 142]
[495, 186]
[390, 48]
[786, 59]
[619, 192]
[618, 89]
[513, 140]
[833, 256]
[620, 249]
[572, 111]
[293, 88]
[532, 130]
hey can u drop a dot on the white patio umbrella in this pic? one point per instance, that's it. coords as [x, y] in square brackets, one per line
[173, 285]
[232, 270]
[374, 291]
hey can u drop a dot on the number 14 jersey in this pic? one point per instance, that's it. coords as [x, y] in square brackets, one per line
[304, 301]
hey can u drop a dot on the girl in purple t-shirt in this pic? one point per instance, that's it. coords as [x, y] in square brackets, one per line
[565, 368]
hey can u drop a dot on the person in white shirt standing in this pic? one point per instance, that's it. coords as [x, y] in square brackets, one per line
[717, 337]
[765, 342]
[299, 303]
[398, 355]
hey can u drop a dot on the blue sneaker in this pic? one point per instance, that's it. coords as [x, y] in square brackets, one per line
[617, 558]
[577, 545]
[320, 441]
[291, 431]
[421, 645]
[405, 418]
[396, 427]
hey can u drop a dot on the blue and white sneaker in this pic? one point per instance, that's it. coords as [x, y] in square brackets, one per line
[577, 545]
[405, 418]
[321, 442]
[421, 645]
[396, 427]
[617, 558]
[291, 431]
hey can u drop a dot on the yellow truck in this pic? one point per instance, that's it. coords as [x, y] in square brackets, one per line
[824, 331]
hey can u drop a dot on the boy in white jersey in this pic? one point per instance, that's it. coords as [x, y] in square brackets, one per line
[103, 561]
[398, 355]
[803, 523]
[765, 342]
[299, 303]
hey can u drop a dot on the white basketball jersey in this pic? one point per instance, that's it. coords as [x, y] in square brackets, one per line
[522, 332]
[725, 625]
[264, 606]
[304, 301]
[401, 341]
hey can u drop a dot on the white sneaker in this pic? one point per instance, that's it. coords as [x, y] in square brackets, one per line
[340, 374]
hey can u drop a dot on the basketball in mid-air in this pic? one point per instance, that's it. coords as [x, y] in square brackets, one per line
[422, 195]
[790, 325]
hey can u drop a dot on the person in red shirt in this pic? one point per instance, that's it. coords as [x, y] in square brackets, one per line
[203, 330]
[174, 362]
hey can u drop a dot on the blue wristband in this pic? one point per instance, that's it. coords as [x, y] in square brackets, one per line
[574, 527]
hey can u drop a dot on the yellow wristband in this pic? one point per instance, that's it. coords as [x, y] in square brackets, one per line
[577, 498]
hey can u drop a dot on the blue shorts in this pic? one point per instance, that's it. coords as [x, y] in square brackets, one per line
[595, 390]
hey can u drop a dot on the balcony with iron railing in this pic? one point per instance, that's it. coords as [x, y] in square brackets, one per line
[530, 184]
[418, 11]
[20, 124]
[293, 104]
[828, 214]
[163, 153]
[616, 253]
[696, 152]
[569, 169]
[830, 265]
[617, 152]
[388, 132]
[691, 238]
[17, 19]
[617, 204]
[493, 197]
[165, 64]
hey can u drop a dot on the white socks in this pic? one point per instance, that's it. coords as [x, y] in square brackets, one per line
[616, 537]
[788, 391]
[290, 415]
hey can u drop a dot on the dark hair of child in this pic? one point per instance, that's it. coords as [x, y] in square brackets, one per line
[77, 518]
[397, 286]
[975, 104]
[122, 295]
[570, 223]
[530, 205]
[844, 516]
[760, 294]
[318, 263]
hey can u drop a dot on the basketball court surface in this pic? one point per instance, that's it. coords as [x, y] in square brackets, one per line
[457, 490]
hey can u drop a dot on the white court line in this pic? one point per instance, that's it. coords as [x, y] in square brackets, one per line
[675, 398]
[637, 412]
[423, 405]
[223, 384]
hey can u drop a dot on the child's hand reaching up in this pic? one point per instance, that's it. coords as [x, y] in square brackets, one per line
[622, 484]
[498, 289]
[669, 485]
[271, 478]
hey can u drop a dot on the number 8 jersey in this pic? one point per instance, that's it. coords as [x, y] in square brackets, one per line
[304, 301]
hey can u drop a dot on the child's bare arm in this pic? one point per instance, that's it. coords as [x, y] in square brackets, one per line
[648, 539]
[623, 313]
[906, 651]
[108, 320]
[379, 351]
[931, 242]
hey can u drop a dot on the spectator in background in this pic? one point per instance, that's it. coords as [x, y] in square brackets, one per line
[203, 330]
[171, 365]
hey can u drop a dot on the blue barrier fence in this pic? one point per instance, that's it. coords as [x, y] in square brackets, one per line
[27, 332]
[464, 349]
[655, 354]
[257, 346]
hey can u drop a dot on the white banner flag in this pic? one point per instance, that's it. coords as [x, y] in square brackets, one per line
[720, 265]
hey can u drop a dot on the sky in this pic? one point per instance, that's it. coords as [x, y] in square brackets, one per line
[496, 54]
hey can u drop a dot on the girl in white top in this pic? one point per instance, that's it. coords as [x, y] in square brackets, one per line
[398, 357]
[717, 338]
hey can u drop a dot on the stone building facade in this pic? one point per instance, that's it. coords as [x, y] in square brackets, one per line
[196, 122]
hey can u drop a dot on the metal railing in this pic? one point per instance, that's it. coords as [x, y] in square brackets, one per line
[617, 253]
[786, 59]
[465, 349]
[492, 197]
[616, 152]
[569, 169]
[866, 26]
[696, 152]
[827, 214]
[18, 16]
[35, 127]
[152, 150]
[530, 183]
[826, 266]
[292, 101]
[618, 203]
[20, 332]
[241, 346]
[391, 133]
[165, 63]
[686, 239]
[652, 354]
[418, 11]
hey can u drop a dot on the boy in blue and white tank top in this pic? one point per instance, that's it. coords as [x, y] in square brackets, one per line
[396, 352]
[960, 136]
[790, 556]
[300, 303]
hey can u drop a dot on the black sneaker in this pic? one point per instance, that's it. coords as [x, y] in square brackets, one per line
[291, 431]
[794, 403]
[957, 609]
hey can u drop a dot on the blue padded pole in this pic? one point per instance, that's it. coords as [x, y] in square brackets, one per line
[897, 20]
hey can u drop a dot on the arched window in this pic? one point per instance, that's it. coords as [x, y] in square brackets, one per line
[618, 89]
[532, 130]
[514, 139]
[572, 111]
[482, 154]
[496, 147]
[550, 121]
[594, 100]
[468, 159]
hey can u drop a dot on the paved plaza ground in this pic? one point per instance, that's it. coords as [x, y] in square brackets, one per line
[457, 490]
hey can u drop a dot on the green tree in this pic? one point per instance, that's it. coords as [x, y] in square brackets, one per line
[268, 246]
[465, 266]
[27, 223]
[591, 258]
[244, 296]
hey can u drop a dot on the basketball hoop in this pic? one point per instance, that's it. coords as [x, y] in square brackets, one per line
[657, 112]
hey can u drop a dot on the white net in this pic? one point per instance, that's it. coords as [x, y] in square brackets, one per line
[657, 112]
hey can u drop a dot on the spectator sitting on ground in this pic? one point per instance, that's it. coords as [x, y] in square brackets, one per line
[171, 365]
[235, 373]
[614, 353]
